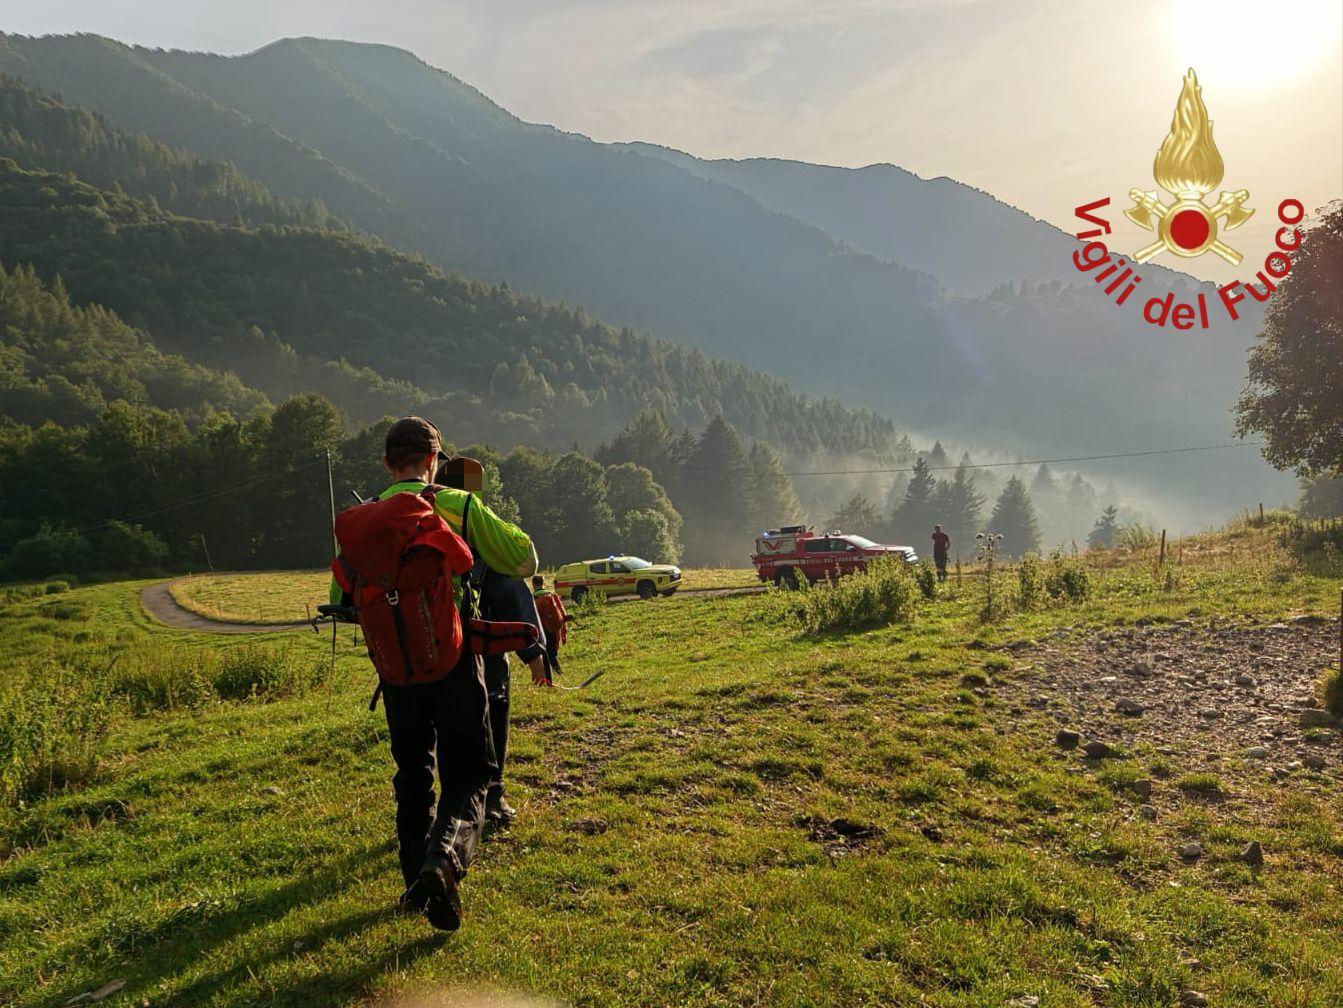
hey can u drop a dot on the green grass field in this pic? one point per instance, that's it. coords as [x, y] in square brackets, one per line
[735, 814]
[278, 597]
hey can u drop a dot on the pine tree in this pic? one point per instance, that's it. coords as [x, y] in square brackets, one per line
[1106, 529]
[914, 518]
[716, 494]
[647, 440]
[1014, 517]
[938, 458]
[962, 505]
[857, 515]
[773, 499]
[1044, 483]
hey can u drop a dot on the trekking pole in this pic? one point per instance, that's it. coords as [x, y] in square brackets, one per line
[331, 496]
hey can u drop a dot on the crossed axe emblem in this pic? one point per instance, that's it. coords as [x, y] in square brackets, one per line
[1188, 227]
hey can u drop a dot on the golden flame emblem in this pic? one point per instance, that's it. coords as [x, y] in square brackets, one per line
[1188, 166]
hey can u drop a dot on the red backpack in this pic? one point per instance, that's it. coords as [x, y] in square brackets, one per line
[397, 561]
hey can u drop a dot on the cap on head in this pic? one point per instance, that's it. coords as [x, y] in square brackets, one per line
[409, 439]
[937, 528]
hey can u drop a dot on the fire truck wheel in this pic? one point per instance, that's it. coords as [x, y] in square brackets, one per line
[785, 577]
[647, 589]
[578, 593]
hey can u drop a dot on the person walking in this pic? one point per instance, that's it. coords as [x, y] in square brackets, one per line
[435, 724]
[941, 545]
[501, 598]
[554, 619]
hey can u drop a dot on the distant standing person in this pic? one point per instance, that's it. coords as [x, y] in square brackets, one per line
[941, 544]
[550, 607]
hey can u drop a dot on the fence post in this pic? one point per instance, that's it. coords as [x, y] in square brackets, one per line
[1162, 559]
[1261, 514]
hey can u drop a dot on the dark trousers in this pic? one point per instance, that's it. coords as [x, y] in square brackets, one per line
[940, 562]
[553, 652]
[496, 686]
[443, 725]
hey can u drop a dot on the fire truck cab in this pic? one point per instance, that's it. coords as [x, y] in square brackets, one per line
[787, 555]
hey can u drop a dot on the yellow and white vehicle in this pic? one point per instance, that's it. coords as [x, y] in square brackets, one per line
[616, 575]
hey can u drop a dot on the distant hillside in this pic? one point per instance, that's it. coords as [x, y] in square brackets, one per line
[416, 157]
[963, 236]
[293, 309]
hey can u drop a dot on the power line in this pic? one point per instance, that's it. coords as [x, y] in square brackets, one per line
[1031, 462]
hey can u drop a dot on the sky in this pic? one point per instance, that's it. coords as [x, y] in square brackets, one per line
[1046, 104]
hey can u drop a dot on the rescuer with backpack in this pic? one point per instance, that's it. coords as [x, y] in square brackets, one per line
[550, 607]
[501, 598]
[401, 565]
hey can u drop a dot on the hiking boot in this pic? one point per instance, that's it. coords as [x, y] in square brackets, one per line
[438, 879]
[498, 812]
[414, 900]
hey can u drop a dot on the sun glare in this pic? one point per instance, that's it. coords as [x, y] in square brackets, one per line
[1249, 44]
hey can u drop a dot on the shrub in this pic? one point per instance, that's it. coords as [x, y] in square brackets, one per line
[877, 597]
[1068, 578]
[926, 578]
[1135, 537]
[1030, 582]
[266, 673]
[51, 549]
[123, 547]
[1331, 691]
[53, 722]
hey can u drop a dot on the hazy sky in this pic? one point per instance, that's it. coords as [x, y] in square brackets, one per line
[1044, 103]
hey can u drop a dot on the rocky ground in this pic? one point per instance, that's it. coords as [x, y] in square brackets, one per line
[1234, 699]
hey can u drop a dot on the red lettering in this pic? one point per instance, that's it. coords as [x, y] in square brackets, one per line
[1203, 309]
[1183, 316]
[1230, 297]
[1286, 265]
[1300, 211]
[1283, 245]
[1163, 304]
[1087, 260]
[1084, 213]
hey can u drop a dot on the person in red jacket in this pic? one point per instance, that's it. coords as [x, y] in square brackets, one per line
[550, 607]
[941, 545]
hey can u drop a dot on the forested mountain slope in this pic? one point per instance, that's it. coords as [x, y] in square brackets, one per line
[279, 306]
[426, 162]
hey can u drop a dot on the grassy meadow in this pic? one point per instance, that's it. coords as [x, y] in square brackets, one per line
[740, 812]
[279, 597]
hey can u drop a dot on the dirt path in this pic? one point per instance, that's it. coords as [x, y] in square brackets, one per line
[1238, 698]
[157, 600]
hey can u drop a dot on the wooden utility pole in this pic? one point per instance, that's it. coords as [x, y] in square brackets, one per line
[1161, 561]
[331, 496]
[1261, 514]
[208, 562]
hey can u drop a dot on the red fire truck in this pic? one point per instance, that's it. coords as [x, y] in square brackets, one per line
[788, 554]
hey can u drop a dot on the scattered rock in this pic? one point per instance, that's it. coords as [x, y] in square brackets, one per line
[1257, 753]
[1067, 739]
[1244, 680]
[1313, 717]
[1129, 707]
[1310, 619]
[1277, 626]
[1193, 999]
[1209, 713]
[1253, 854]
[1191, 851]
[111, 987]
[271, 789]
[1313, 762]
[1148, 812]
[931, 832]
[1098, 750]
[1142, 788]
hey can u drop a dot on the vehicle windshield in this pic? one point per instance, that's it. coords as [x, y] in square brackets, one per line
[634, 563]
[860, 541]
